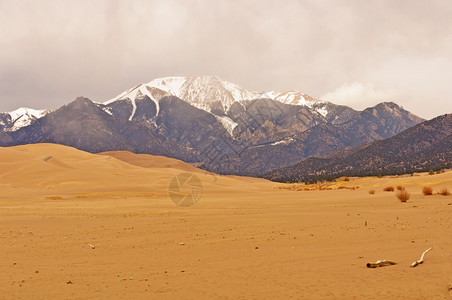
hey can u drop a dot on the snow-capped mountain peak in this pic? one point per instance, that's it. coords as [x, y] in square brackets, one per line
[21, 117]
[199, 91]
[208, 92]
[138, 92]
[204, 90]
[171, 85]
[298, 98]
[24, 111]
[289, 97]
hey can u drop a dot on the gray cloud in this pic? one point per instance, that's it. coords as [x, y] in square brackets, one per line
[373, 51]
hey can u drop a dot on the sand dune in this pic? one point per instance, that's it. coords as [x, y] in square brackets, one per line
[64, 170]
[78, 225]
[152, 161]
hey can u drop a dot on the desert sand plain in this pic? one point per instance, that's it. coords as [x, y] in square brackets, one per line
[76, 225]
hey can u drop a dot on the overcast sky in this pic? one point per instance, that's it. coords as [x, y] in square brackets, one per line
[357, 53]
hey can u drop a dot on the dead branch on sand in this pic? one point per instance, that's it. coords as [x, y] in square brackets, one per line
[421, 260]
[381, 263]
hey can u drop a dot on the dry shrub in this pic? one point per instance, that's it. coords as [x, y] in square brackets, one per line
[389, 189]
[400, 188]
[427, 190]
[325, 189]
[444, 192]
[372, 192]
[403, 196]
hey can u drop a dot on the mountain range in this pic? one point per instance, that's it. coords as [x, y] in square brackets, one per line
[423, 147]
[212, 123]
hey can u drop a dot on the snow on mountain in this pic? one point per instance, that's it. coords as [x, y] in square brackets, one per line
[290, 97]
[322, 110]
[227, 123]
[297, 98]
[285, 141]
[203, 91]
[24, 116]
[200, 92]
[171, 85]
[207, 92]
[138, 92]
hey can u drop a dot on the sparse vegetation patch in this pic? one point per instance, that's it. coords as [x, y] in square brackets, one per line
[427, 190]
[444, 192]
[403, 196]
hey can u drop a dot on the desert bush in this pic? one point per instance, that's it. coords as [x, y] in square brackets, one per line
[444, 192]
[403, 196]
[389, 189]
[372, 192]
[427, 190]
[400, 188]
[431, 172]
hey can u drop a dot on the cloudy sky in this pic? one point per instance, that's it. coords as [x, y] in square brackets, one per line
[357, 53]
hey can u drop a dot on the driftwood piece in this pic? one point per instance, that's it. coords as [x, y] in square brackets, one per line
[421, 260]
[381, 263]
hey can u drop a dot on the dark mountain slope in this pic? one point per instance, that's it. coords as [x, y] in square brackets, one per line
[375, 123]
[425, 146]
[84, 125]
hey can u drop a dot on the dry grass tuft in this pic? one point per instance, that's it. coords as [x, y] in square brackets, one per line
[389, 189]
[403, 196]
[427, 190]
[372, 192]
[444, 192]
[400, 188]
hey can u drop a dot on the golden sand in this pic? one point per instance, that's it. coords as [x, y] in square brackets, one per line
[78, 225]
